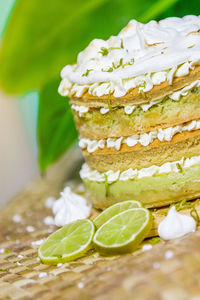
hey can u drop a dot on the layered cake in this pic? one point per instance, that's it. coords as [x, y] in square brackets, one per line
[136, 104]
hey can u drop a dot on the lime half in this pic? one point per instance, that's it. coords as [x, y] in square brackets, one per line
[67, 243]
[123, 232]
[114, 210]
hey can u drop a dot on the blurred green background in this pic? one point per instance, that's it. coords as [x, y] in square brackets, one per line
[28, 103]
[39, 37]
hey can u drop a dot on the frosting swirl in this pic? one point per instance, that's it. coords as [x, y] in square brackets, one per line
[141, 55]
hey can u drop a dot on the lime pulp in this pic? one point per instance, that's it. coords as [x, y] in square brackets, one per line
[113, 210]
[67, 243]
[123, 232]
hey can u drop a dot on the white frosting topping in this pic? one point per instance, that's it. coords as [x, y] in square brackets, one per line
[128, 109]
[144, 138]
[175, 225]
[140, 55]
[70, 207]
[176, 166]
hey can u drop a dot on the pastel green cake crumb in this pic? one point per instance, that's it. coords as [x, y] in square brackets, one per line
[94, 124]
[157, 190]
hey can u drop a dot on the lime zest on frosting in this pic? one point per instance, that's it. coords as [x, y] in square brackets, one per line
[87, 72]
[104, 51]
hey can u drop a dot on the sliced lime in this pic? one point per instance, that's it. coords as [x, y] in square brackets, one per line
[113, 210]
[123, 232]
[67, 243]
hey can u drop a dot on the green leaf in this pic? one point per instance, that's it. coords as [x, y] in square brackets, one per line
[43, 36]
[156, 9]
[56, 129]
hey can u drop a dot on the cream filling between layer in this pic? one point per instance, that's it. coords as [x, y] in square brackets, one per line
[128, 109]
[111, 176]
[144, 138]
[80, 109]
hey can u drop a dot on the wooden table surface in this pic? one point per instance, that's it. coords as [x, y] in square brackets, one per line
[169, 271]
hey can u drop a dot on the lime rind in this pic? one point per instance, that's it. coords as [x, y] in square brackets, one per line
[114, 210]
[64, 240]
[131, 243]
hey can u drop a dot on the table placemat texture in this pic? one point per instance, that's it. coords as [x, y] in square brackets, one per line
[168, 271]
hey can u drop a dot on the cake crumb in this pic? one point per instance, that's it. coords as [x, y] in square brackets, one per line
[169, 254]
[146, 247]
[80, 188]
[49, 202]
[30, 229]
[37, 243]
[50, 230]
[17, 218]
[80, 285]
[156, 265]
[59, 265]
[49, 220]
[42, 275]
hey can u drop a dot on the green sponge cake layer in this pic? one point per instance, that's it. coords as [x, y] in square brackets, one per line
[117, 123]
[153, 191]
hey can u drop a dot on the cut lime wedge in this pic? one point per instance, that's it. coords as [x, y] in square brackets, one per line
[123, 232]
[114, 210]
[67, 243]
